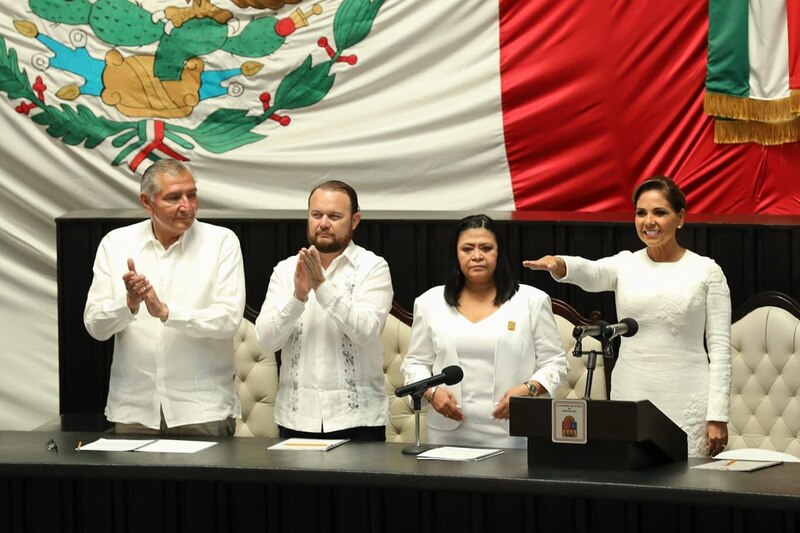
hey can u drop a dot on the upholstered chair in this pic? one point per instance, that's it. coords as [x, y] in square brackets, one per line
[765, 383]
[256, 382]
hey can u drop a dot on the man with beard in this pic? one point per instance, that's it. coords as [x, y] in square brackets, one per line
[325, 310]
[170, 290]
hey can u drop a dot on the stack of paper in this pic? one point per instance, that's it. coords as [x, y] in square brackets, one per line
[733, 465]
[747, 460]
[313, 445]
[148, 445]
[452, 453]
[757, 454]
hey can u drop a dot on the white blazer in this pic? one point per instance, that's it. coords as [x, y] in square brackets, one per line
[528, 348]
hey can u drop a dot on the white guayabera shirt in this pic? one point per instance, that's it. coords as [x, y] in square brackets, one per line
[184, 365]
[332, 355]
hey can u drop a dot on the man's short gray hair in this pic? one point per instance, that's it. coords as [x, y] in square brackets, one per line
[163, 167]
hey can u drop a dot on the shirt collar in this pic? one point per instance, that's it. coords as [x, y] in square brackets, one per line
[350, 253]
[149, 238]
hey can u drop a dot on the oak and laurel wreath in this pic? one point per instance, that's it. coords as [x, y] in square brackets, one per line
[222, 130]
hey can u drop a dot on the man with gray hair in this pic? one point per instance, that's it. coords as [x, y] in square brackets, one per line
[171, 292]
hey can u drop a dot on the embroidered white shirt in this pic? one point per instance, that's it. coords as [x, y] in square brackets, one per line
[184, 365]
[332, 356]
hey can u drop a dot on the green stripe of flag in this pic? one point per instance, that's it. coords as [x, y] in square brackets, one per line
[728, 61]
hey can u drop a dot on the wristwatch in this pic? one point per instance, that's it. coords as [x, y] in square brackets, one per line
[533, 391]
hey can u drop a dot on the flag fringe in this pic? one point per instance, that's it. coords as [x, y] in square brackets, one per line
[750, 109]
[764, 133]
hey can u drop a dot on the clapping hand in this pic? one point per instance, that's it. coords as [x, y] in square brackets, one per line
[308, 274]
[312, 266]
[140, 290]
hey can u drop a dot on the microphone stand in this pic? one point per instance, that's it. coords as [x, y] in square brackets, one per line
[417, 448]
[591, 362]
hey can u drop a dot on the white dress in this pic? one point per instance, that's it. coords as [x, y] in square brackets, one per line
[517, 343]
[677, 305]
[473, 342]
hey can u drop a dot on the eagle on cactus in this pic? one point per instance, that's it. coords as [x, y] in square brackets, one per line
[175, 72]
[152, 68]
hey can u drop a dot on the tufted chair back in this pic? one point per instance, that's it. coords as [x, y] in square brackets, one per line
[765, 383]
[395, 339]
[256, 382]
[257, 378]
[574, 386]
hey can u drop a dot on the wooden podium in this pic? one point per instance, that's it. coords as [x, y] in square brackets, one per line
[619, 435]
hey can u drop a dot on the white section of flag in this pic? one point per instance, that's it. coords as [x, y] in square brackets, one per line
[768, 49]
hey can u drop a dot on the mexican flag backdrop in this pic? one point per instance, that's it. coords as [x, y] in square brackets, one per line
[438, 105]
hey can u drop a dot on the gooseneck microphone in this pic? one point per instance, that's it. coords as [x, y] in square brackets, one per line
[450, 376]
[627, 327]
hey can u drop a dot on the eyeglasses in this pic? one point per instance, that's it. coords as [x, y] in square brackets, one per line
[51, 446]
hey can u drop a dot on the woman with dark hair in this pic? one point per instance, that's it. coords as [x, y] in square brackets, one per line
[502, 334]
[679, 299]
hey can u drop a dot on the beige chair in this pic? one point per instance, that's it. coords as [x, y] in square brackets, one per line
[395, 339]
[257, 378]
[256, 382]
[765, 384]
[574, 386]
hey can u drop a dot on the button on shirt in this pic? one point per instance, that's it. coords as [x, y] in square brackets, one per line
[332, 354]
[184, 365]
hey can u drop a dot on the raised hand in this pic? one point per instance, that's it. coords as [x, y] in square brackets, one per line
[552, 263]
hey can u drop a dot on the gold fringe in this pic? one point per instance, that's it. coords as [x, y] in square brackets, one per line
[795, 97]
[740, 108]
[742, 131]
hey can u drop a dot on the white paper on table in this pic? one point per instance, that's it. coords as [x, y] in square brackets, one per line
[734, 465]
[114, 445]
[176, 446]
[757, 454]
[454, 453]
[312, 445]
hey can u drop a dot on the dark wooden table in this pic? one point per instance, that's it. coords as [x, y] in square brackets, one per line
[237, 485]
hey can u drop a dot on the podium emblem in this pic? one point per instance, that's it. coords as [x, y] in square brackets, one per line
[569, 421]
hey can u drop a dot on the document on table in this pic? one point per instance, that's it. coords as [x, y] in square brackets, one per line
[733, 465]
[146, 445]
[176, 446]
[114, 445]
[308, 445]
[453, 453]
[757, 454]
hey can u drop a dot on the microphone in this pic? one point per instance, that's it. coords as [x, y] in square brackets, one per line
[450, 376]
[595, 330]
[627, 327]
